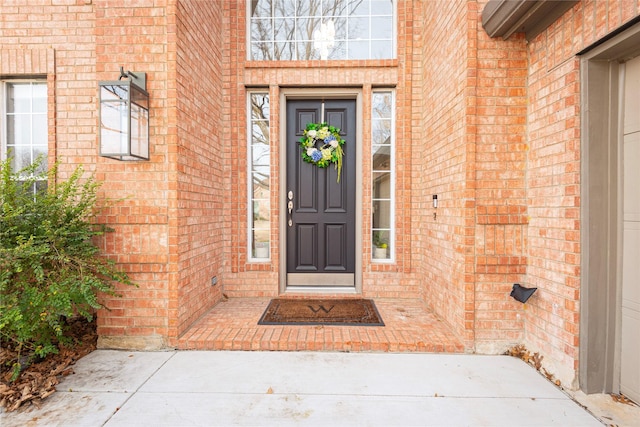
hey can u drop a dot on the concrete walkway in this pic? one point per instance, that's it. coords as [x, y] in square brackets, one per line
[220, 388]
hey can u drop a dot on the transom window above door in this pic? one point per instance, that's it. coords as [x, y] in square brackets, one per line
[284, 30]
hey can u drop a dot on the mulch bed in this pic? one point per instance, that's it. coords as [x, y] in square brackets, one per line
[39, 380]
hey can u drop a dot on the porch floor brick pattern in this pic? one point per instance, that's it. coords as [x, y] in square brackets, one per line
[233, 325]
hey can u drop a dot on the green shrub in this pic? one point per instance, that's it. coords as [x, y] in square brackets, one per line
[50, 268]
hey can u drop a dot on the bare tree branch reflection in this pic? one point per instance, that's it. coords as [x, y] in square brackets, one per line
[283, 29]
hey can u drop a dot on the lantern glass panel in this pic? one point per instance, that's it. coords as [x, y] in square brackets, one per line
[114, 120]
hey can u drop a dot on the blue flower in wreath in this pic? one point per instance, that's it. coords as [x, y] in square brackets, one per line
[322, 145]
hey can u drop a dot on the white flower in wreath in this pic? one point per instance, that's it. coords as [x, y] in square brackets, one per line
[333, 143]
[311, 150]
[311, 134]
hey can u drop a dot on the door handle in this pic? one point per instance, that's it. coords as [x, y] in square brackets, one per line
[290, 207]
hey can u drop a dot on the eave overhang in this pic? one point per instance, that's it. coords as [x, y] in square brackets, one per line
[502, 18]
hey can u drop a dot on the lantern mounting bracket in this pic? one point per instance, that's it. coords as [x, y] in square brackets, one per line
[139, 79]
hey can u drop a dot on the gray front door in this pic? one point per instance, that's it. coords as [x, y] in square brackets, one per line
[321, 227]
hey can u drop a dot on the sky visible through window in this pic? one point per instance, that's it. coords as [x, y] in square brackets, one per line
[321, 29]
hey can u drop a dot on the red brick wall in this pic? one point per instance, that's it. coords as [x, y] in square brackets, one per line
[200, 161]
[135, 35]
[553, 178]
[500, 107]
[444, 159]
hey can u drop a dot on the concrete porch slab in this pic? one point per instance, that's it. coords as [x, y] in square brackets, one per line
[303, 388]
[233, 325]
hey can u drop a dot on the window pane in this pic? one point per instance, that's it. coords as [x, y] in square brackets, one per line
[340, 28]
[259, 107]
[381, 244]
[39, 129]
[381, 214]
[335, 7]
[261, 213]
[21, 157]
[382, 176]
[259, 173]
[307, 52]
[261, 51]
[40, 151]
[359, 29]
[382, 158]
[40, 98]
[381, 185]
[284, 8]
[359, 7]
[383, 28]
[339, 51]
[381, 105]
[321, 29]
[260, 185]
[381, 7]
[285, 51]
[261, 8]
[18, 98]
[260, 156]
[380, 48]
[284, 29]
[306, 27]
[259, 133]
[381, 131]
[19, 129]
[261, 29]
[358, 50]
[261, 170]
[26, 131]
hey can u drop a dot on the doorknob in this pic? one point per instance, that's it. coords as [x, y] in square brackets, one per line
[290, 207]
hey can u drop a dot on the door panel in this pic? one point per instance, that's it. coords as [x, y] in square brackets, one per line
[630, 306]
[321, 234]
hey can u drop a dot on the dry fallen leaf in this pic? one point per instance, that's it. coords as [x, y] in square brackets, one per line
[621, 398]
[270, 391]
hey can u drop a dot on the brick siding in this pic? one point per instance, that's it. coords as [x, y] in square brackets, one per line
[490, 126]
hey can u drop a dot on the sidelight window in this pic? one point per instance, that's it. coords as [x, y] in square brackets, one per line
[259, 177]
[382, 175]
[321, 29]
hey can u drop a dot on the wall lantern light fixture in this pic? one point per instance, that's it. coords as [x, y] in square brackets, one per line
[124, 117]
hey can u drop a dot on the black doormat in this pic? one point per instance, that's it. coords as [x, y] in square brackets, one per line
[357, 312]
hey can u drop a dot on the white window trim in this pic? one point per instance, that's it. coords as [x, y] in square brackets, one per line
[394, 34]
[249, 143]
[392, 171]
[3, 110]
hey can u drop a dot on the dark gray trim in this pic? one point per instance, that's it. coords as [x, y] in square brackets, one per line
[502, 18]
[599, 213]
[600, 240]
